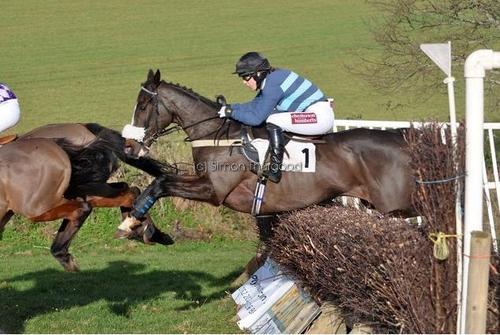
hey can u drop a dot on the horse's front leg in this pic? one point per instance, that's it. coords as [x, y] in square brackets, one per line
[187, 187]
[148, 233]
[123, 196]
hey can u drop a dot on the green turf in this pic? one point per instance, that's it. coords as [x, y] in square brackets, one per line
[84, 60]
[127, 289]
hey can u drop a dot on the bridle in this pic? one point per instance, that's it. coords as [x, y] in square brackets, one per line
[148, 140]
[159, 132]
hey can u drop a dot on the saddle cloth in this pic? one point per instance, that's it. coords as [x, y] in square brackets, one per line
[7, 139]
[298, 157]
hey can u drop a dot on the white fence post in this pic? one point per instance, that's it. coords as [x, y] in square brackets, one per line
[474, 73]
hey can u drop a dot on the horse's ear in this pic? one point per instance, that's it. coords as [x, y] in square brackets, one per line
[157, 76]
[150, 75]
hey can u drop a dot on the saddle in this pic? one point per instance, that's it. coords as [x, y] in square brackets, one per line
[7, 139]
[250, 151]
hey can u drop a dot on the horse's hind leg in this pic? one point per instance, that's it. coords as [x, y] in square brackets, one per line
[5, 215]
[75, 213]
[189, 187]
[60, 246]
[4, 219]
[265, 226]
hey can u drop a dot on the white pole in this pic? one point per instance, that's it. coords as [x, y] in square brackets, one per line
[451, 98]
[474, 155]
[474, 73]
[451, 101]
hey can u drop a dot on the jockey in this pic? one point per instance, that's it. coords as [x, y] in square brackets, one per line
[285, 101]
[9, 108]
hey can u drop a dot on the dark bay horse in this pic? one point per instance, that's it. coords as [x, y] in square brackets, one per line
[368, 164]
[61, 171]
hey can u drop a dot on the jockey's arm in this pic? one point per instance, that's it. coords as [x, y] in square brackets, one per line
[255, 112]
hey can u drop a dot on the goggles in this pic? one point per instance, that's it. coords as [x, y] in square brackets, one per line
[247, 76]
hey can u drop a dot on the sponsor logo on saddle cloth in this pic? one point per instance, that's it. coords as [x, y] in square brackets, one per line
[298, 157]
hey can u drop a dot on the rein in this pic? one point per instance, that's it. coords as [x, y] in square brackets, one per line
[215, 142]
[187, 139]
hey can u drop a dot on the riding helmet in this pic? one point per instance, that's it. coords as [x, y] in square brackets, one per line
[250, 63]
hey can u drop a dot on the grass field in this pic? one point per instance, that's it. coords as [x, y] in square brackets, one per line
[83, 61]
[122, 288]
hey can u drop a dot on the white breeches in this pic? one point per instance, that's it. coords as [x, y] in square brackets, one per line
[317, 119]
[9, 114]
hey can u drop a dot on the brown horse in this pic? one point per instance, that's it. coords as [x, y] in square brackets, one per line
[368, 164]
[45, 179]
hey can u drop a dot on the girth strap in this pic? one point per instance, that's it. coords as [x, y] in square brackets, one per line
[216, 143]
[258, 197]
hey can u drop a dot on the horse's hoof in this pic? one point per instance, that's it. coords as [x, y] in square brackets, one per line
[121, 234]
[128, 224]
[158, 237]
[153, 234]
[163, 239]
[71, 265]
[72, 268]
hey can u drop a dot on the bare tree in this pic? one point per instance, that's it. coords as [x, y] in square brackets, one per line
[400, 65]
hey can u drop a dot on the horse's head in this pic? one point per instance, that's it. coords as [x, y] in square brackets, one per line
[161, 103]
[150, 117]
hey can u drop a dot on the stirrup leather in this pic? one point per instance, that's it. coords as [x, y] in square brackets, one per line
[272, 170]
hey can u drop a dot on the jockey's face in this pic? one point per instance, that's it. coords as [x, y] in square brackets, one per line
[250, 83]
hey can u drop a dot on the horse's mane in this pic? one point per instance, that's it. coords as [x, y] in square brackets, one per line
[192, 94]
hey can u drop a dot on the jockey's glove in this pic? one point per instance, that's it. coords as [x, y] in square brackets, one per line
[225, 111]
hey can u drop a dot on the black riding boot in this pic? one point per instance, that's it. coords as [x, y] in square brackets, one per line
[277, 148]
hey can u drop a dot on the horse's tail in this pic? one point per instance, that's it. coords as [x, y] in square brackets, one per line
[91, 167]
[93, 163]
[116, 143]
